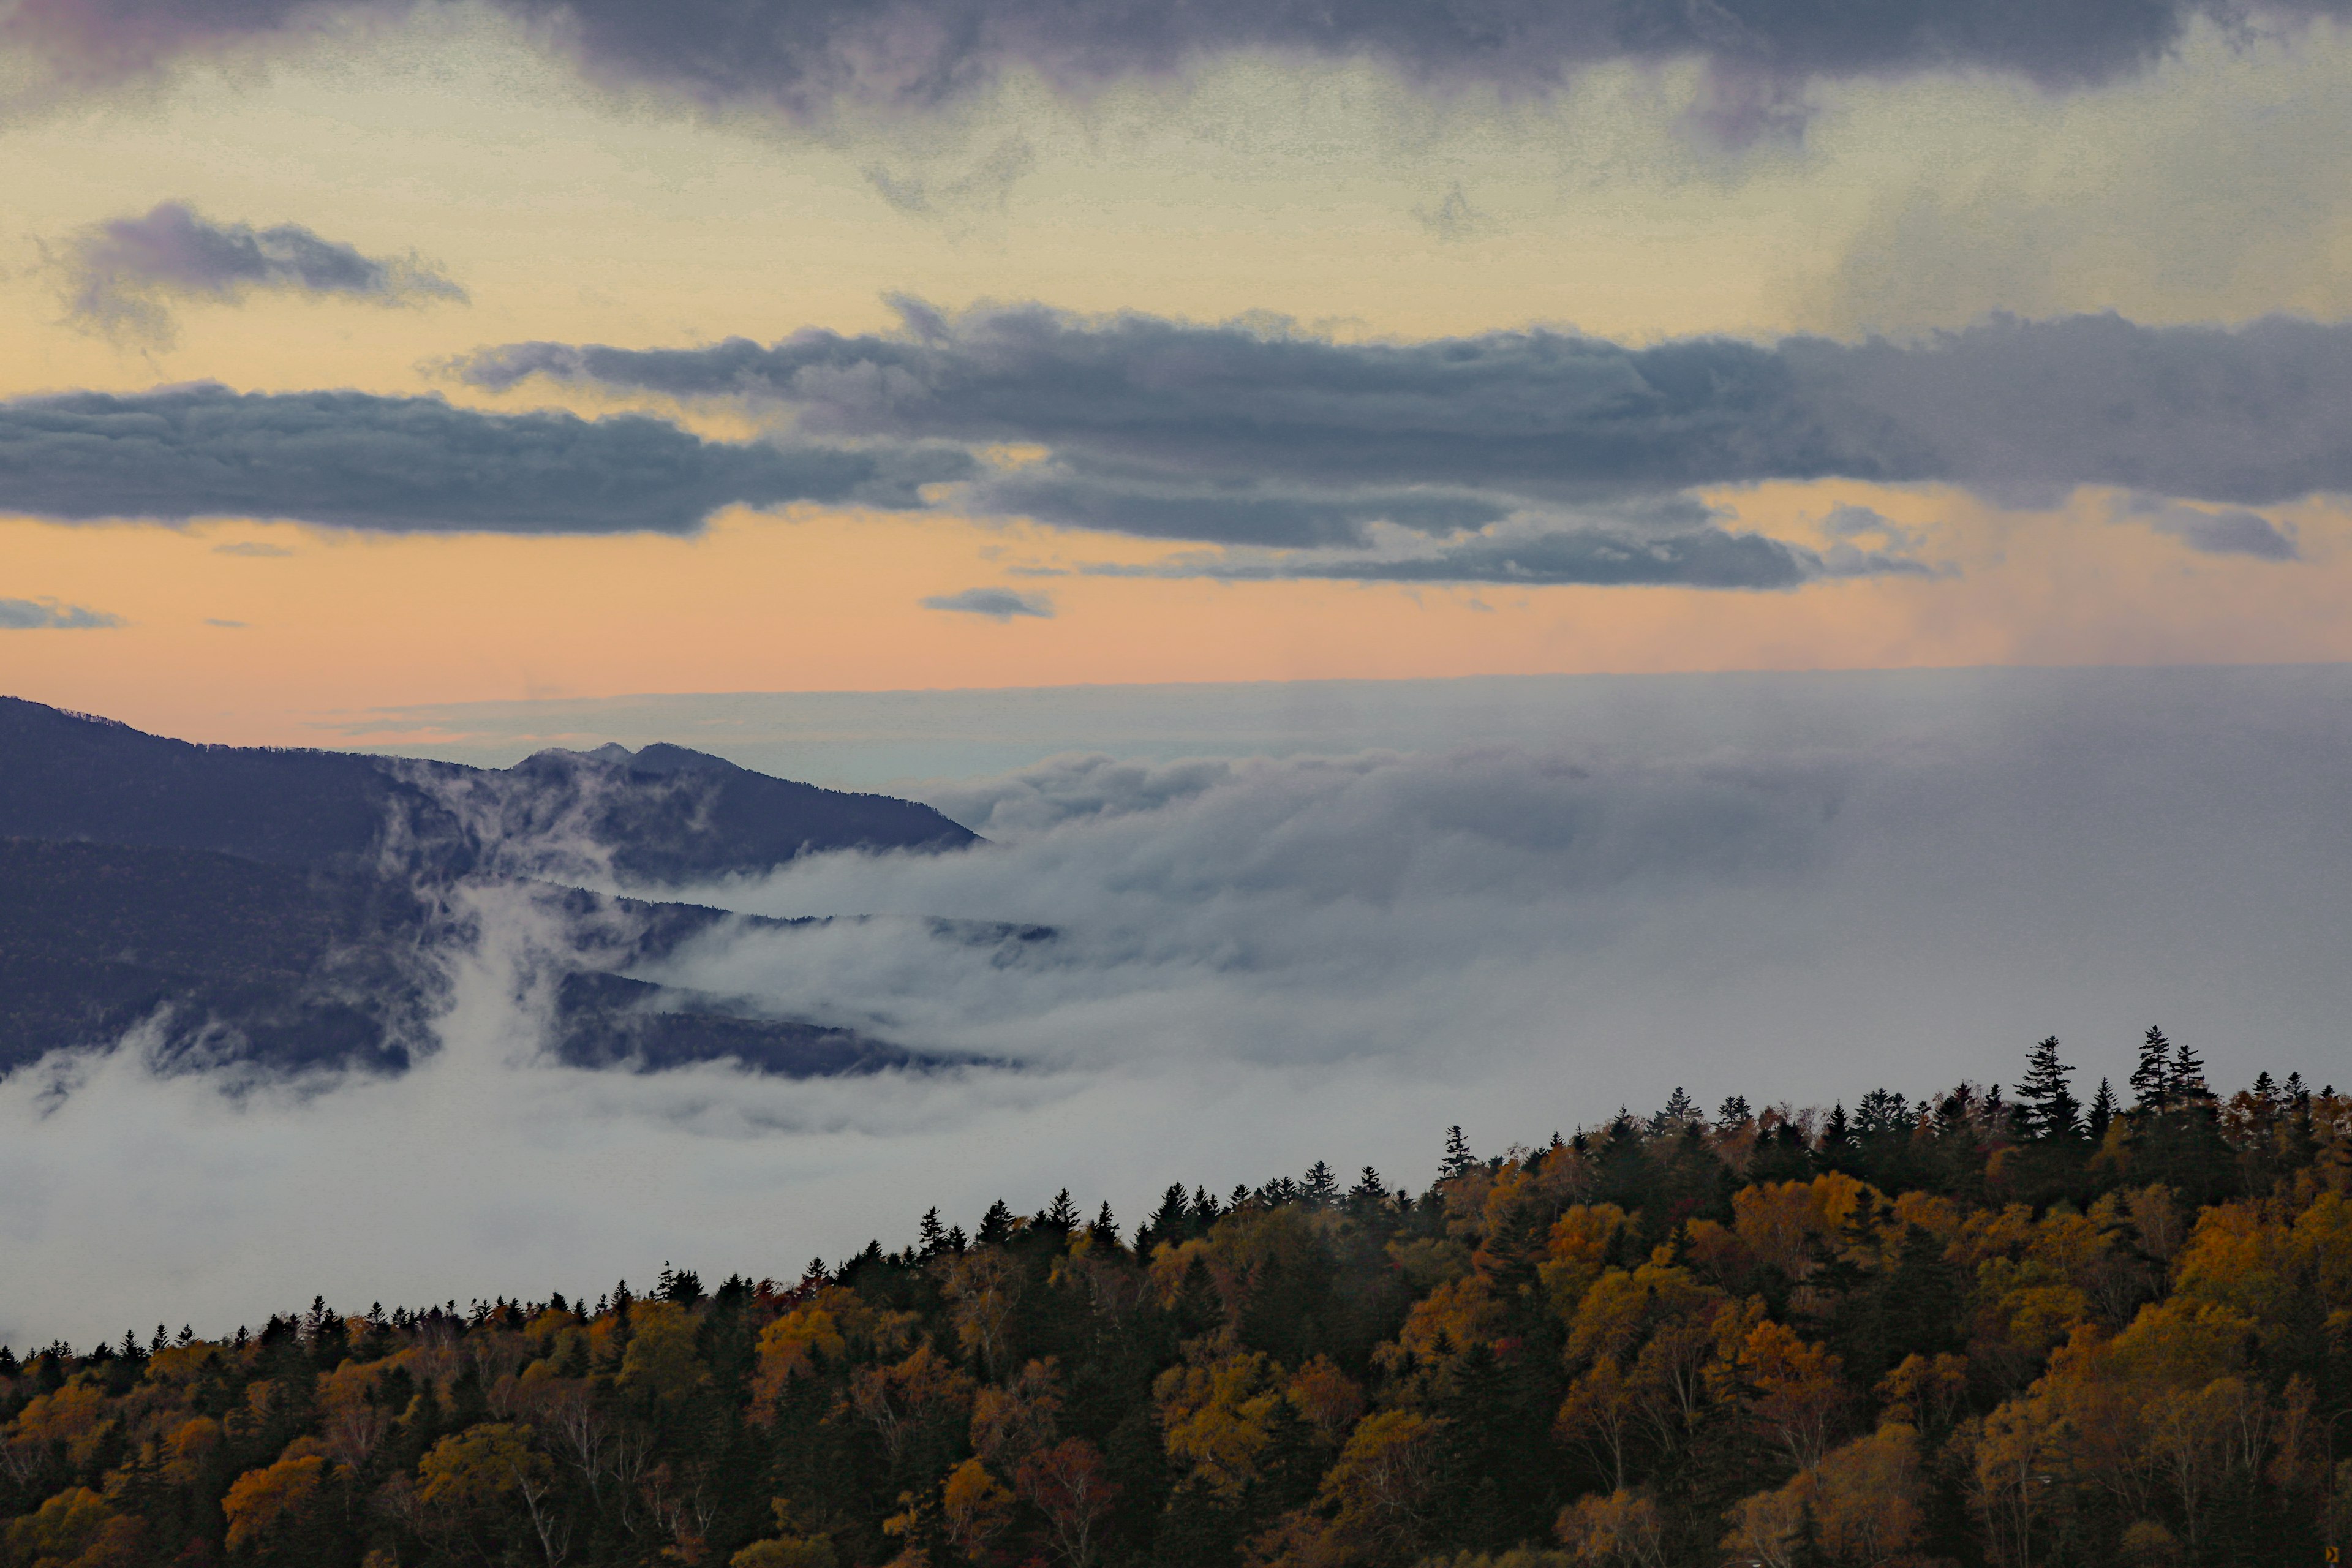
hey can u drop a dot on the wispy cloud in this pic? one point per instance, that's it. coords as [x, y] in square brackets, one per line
[2229, 531]
[1701, 558]
[124, 274]
[48, 615]
[997, 604]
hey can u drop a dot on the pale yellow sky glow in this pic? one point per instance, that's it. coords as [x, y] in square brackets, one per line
[2216, 188]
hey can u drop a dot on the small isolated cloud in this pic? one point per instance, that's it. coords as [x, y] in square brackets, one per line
[996, 603]
[211, 621]
[122, 275]
[987, 183]
[47, 615]
[1452, 217]
[2231, 531]
[257, 547]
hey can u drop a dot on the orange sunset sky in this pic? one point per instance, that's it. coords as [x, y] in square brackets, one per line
[1329, 191]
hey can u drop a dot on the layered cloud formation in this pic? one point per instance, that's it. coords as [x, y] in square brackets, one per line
[1242, 436]
[124, 274]
[353, 459]
[802, 57]
[2250, 415]
[1529, 456]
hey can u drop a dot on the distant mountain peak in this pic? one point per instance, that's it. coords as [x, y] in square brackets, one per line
[285, 911]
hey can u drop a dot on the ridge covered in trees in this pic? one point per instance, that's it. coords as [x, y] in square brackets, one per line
[1972, 1330]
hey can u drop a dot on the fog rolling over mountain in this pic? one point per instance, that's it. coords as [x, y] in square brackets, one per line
[265, 912]
[1218, 968]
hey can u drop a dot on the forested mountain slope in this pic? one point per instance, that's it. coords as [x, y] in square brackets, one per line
[1975, 1330]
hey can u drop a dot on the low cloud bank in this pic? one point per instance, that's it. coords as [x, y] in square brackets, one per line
[1263, 962]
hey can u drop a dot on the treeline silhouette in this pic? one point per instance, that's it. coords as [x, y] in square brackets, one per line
[2009, 1330]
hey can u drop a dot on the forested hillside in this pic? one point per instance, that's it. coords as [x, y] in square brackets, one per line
[1993, 1329]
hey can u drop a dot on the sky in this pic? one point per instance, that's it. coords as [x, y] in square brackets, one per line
[384, 354]
[1468, 555]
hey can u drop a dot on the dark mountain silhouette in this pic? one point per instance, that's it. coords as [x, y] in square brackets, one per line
[292, 910]
[663, 815]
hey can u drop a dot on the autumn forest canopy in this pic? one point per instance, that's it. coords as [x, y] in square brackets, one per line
[1984, 1328]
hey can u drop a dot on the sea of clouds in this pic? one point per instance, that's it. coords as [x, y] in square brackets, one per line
[1261, 960]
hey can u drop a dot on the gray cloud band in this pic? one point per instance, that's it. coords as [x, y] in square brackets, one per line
[1597, 557]
[802, 57]
[415, 464]
[1271, 437]
[123, 273]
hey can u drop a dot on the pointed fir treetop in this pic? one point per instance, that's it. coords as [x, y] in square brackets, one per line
[2151, 1080]
[2185, 1083]
[2046, 1094]
[1458, 1158]
[2103, 1111]
[1321, 1188]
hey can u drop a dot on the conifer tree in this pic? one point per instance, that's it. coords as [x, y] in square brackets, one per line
[1321, 1188]
[930, 1237]
[2151, 1080]
[1458, 1158]
[1732, 1111]
[1837, 1135]
[2050, 1106]
[2103, 1113]
[1171, 1222]
[2184, 1084]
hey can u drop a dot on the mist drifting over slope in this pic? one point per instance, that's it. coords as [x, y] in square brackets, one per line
[1802, 885]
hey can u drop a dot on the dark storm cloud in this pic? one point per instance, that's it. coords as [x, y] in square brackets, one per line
[123, 274]
[47, 615]
[355, 461]
[997, 604]
[802, 57]
[1239, 434]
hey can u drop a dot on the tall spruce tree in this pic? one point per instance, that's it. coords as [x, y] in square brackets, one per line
[2052, 1111]
[1458, 1157]
[2151, 1080]
[2103, 1113]
[2185, 1082]
[1321, 1188]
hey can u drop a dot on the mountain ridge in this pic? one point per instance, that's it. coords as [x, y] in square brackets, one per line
[292, 911]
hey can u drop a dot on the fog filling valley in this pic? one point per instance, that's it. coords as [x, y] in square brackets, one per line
[1259, 961]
